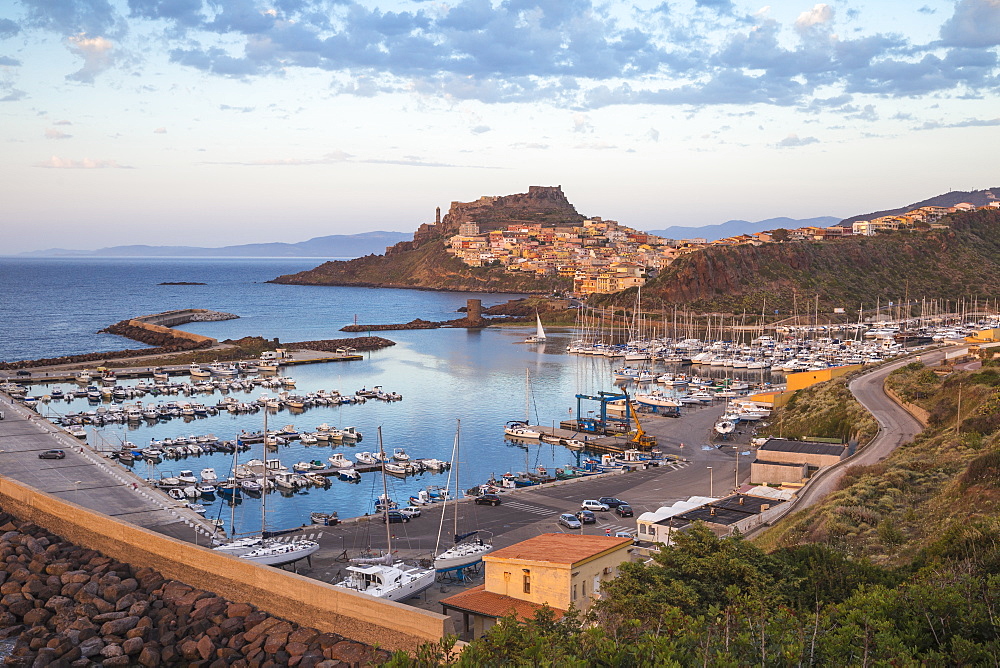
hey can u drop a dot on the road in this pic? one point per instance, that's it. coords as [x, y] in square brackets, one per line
[896, 427]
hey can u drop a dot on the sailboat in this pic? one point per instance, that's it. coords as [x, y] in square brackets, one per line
[539, 335]
[263, 549]
[464, 552]
[519, 428]
[384, 577]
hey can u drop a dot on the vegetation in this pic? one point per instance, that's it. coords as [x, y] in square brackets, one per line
[899, 566]
[826, 410]
[428, 267]
[848, 273]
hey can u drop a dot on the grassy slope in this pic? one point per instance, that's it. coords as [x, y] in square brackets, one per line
[944, 485]
[428, 267]
[961, 261]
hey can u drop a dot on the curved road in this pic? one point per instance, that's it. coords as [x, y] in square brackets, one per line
[896, 427]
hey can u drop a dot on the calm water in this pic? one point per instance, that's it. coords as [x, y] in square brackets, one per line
[54, 307]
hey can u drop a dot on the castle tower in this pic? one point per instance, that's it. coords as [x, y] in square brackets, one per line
[437, 216]
[474, 311]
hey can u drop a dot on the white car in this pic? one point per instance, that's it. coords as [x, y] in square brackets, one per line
[594, 505]
[410, 511]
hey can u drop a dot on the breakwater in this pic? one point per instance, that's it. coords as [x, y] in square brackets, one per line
[280, 593]
[337, 345]
[64, 603]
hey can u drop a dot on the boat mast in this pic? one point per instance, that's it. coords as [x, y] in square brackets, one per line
[385, 494]
[458, 427]
[263, 497]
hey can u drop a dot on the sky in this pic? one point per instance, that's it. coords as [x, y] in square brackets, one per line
[218, 122]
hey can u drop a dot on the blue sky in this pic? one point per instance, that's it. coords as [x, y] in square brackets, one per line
[232, 121]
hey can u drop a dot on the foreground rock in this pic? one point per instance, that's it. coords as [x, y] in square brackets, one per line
[70, 606]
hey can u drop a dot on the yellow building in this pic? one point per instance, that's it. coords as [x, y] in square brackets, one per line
[555, 569]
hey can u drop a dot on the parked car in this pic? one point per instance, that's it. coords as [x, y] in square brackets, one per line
[488, 500]
[22, 372]
[52, 454]
[624, 510]
[569, 521]
[627, 534]
[586, 517]
[410, 511]
[591, 504]
[612, 502]
[395, 516]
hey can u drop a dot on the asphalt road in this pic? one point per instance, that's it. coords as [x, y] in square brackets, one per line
[896, 427]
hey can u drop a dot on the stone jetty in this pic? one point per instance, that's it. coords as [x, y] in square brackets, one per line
[65, 605]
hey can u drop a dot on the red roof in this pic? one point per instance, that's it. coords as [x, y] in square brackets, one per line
[481, 602]
[559, 548]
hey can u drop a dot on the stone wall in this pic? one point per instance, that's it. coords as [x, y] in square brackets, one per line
[280, 593]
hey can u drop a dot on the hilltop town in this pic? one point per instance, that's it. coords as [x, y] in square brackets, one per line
[604, 256]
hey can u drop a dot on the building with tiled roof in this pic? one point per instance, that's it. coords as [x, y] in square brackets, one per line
[559, 570]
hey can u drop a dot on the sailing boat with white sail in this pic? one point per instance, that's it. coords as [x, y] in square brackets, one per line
[384, 577]
[264, 549]
[520, 428]
[467, 550]
[539, 335]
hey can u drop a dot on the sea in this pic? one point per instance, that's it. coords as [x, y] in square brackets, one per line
[457, 384]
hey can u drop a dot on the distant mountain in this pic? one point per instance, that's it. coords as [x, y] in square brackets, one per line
[976, 197]
[732, 228]
[334, 245]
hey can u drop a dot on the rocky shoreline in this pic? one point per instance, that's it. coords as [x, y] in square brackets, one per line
[332, 345]
[70, 606]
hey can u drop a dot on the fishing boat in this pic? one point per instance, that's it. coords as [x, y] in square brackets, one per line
[384, 577]
[469, 547]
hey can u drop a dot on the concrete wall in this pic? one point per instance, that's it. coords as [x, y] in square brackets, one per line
[817, 460]
[922, 416]
[159, 329]
[293, 597]
[775, 472]
[798, 381]
[171, 318]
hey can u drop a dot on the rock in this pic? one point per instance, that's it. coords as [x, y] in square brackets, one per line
[45, 656]
[37, 616]
[117, 661]
[260, 628]
[238, 609]
[350, 652]
[303, 635]
[132, 646]
[296, 648]
[110, 651]
[118, 627]
[149, 657]
[91, 646]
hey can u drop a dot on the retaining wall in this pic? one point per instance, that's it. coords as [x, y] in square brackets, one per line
[176, 333]
[283, 594]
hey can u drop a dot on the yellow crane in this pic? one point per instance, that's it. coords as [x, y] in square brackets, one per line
[638, 437]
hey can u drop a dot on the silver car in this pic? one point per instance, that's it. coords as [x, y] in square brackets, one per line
[569, 521]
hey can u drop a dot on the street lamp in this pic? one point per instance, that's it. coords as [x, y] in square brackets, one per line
[711, 482]
[737, 448]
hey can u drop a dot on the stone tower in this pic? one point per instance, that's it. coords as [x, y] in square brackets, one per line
[437, 216]
[474, 312]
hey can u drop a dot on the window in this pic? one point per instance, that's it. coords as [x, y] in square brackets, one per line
[527, 583]
[574, 592]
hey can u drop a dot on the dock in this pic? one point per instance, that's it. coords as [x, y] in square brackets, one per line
[595, 442]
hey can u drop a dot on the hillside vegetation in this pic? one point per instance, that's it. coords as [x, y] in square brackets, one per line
[428, 267]
[898, 567]
[961, 261]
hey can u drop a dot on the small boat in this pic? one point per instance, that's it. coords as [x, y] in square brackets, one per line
[349, 475]
[205, 490]
[366, 458]
[325, 519]
[196, 507]
[209, 477]
[400, 455]
[339, 461]
[539, 335]
[393, 468]
[176, 494]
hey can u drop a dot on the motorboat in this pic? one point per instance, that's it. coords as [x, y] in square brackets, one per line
[339, 461]
[519, 429]
[366, 458]
[400, 455]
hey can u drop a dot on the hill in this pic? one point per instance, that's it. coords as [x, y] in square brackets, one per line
[976, 197]
[732, 228]
[334, 245]
[950, 263]
[428, 267]
[424, 263]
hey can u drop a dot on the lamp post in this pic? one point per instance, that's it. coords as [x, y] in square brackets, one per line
[711, 482]
[737, 448]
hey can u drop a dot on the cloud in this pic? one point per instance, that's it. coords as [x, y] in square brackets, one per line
[793, 140]
[721, 6]
[62, 122]
[975, 23]
[581, 123]
[8, 28]
[65, 163]
[819, 15]
[72, 17]
[337, 157]
[480, 129]
[242, 110]
[51, 133]
[653, 134]
[6, 61]
[160, 131]
[968, 123]
[97, 54]
[12, 94]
